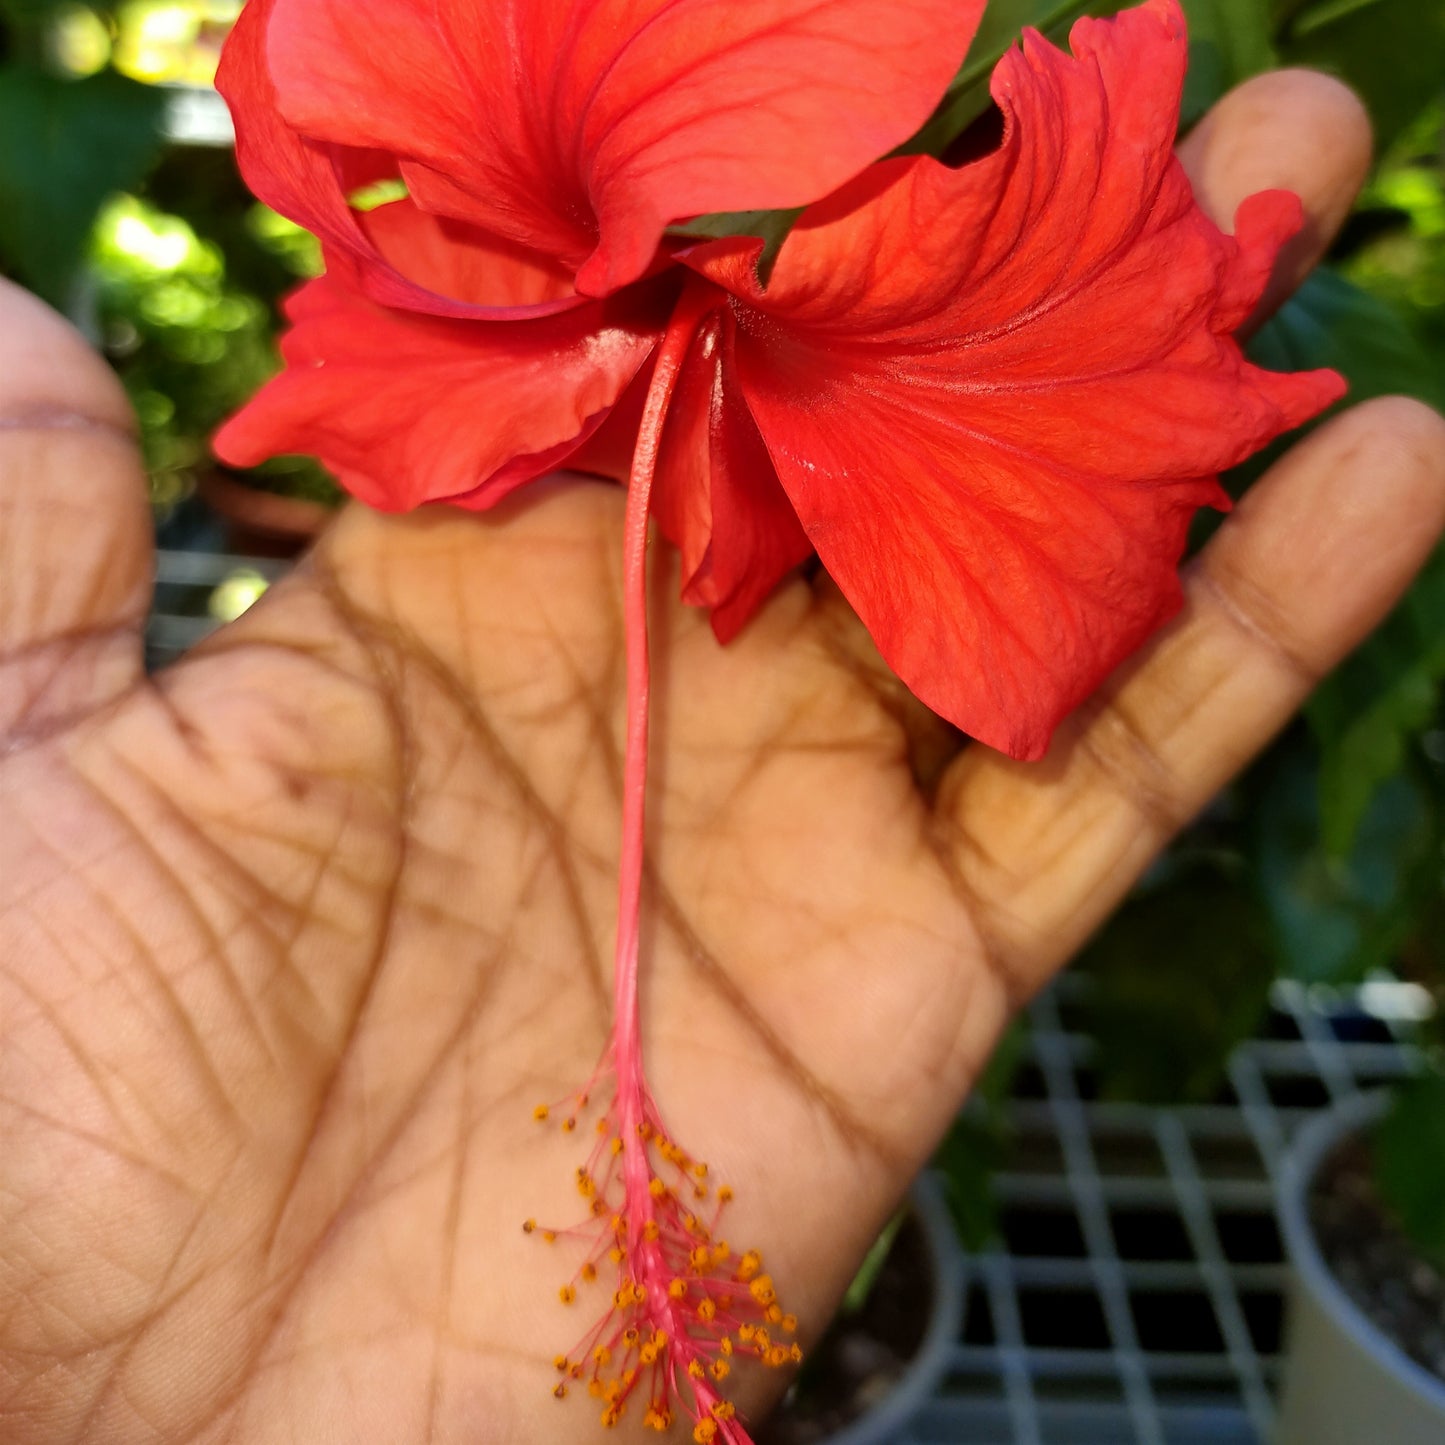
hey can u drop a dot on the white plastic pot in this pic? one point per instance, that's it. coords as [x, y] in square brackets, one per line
[1345, 1382]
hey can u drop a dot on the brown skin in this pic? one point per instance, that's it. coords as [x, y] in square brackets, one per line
[294, 935]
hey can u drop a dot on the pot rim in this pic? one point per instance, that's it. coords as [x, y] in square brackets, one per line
[1309, 1150]
[916, 1385]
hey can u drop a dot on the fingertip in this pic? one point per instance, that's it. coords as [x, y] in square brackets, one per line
[1292, 130]
[1338, 529]
[1297, 130]
[49, 372]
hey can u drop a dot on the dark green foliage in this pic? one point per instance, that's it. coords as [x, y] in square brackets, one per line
[1182, 974]
[1410, 1162]
[68, 145]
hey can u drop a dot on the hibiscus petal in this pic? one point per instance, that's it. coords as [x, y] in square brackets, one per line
[309, 181]
[407, 409]
[717, 498]
[997, 395]
[583, 127]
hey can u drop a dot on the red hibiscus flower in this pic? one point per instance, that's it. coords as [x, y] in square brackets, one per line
[990, 398]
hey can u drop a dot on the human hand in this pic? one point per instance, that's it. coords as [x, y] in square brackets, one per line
[294, 934]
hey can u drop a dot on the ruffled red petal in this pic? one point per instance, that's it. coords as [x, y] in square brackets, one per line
[310, 180]
[997, 395]
[407, 409]
[581, 128]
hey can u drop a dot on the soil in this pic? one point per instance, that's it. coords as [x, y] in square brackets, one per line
[864, 1354]
[1372, 1259]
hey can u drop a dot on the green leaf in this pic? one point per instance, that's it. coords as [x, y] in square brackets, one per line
[1003, 22]
[68, 145]
[771, 227]
[1331, 322]
[1183, 974]
[1410, 1162]
[1334, 919]
[1229, 40]
[1392, 52]
[1368, 714]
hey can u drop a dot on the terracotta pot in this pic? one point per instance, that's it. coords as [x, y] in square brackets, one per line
[262, 524]
[1346, 1382]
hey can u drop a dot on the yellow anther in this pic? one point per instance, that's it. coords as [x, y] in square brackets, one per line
[619, 1224]
[707, 1309]
[746, 1332]
[720, 1369]
[568, 1124]
[599, 1208]
[677, 1289]
[701, 1258]
[723, 1409]
[657, 1418]
[779, 1355]
[602, 1127]
[762, 1290]
[700, 1169]
[648, 1353]
[561, 1391]
[761, 1339]
[616, 1254]
[790, 1324]
[659, 1338]
[589, 1271]
[656, 1187]
[586, 1185]
[612, 1416]
[639, 1294]
[630, 1336]
[796, 1351]
[720, 1252]
[705, 1432]
[695, 1369]
[540, 1112]
[566, 1294]
[616, 1146]
[775, 1314]
[725, 1345]
[623, 1298]
[725, 1194]
[550, 1235]
[561, 1363]
[528, 1225]
[749, 1265]
[651, 1231]
[602, 1355]
[594, 1388]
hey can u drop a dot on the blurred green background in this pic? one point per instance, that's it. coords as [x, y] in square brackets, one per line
[119, 203]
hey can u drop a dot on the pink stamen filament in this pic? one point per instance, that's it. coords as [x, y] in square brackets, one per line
[677, 1308]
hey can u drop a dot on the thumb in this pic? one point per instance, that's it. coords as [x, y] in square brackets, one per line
[75, 535]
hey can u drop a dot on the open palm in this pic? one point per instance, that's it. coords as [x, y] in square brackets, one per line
[295, 934]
